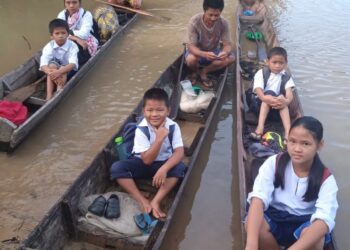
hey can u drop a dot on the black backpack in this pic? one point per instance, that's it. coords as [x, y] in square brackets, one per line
[129, 134]
[95, 29]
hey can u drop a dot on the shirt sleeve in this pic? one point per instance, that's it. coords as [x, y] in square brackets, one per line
[86, 26]
[290, 84]
[61, 15]
[46, 55]
[141, 142]
[225, 36]
[73, 55]
[263, 184]
[258, 80]
[326, 204]
[191, 35]
[177, 138]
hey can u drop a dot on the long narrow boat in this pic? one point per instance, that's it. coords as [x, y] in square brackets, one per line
[249, 62]
[27, 73]
[62, 226]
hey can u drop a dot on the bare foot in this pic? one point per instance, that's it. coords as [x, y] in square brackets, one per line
[145, 206]
[156, 211]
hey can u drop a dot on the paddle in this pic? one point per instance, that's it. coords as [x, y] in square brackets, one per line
[141, 12]
[260, 47]
[21, 94]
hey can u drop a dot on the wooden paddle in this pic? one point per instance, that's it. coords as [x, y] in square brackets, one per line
[21, 94]
[141, 12]
[260, 47]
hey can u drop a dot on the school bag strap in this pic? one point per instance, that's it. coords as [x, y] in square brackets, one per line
[285, 78]
[326, 172]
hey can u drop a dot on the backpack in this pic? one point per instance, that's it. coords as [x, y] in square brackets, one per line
[15, 112]
[128, 135]
[251, 97]
[95, 29]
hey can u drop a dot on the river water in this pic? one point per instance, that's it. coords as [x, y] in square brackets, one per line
[42, 168]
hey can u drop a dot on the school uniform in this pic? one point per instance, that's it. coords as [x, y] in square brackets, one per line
[135, 168]
[285, 210]
[60, 55]
[272, 87]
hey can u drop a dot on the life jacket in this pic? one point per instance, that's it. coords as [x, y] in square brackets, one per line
[326, 172]
[15, 112]
[128, 135]
[95, 29]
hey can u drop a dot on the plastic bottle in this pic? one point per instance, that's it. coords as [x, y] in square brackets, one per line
[122, 155]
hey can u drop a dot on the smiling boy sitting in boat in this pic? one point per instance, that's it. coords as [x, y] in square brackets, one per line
[206, 31]
[156, 155]
[59, 56]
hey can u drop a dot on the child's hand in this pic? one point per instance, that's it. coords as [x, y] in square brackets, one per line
[222, 55]
[159, 178]
[282, 102]
[161, 132]
[54, 75]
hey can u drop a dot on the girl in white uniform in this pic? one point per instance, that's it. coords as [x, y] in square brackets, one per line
[294, 198]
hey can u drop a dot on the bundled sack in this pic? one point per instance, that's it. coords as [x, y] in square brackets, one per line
[15, 112]
[191, 102]
[107, 21]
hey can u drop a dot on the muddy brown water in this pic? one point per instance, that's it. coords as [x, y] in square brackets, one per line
[41, 169]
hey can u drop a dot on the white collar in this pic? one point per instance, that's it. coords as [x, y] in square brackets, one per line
[65, 46]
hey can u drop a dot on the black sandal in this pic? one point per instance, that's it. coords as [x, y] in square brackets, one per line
[112, 207]
[97, 207]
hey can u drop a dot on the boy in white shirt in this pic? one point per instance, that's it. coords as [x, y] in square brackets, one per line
[157, 156]
[59, 56]
[274, 89]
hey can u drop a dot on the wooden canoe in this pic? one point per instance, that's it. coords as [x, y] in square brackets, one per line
[10, 134]
[60, 227]
[247, 164]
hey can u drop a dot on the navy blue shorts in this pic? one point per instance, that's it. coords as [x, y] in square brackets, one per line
[274, 114]
[136, 169]
[286, 227]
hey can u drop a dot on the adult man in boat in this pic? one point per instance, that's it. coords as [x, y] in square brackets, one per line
[136, 4]
[206, 31]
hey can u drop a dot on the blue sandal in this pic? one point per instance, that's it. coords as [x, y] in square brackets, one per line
[145, 222]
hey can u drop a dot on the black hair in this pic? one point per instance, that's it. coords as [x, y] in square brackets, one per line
[277, 51]
[315, 176]
[213, 4]
[156, 94]
[58, 23]
[64, 1]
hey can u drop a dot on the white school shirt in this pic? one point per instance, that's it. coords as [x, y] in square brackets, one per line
[67, 53]
[82, 28]
[142, 143]
[273, 83]
[291, 198]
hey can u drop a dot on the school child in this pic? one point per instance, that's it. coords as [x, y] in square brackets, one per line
[59, 57]
[80, 23]
[294, 197]
[205, 32]
[274, 89]
[157, 157]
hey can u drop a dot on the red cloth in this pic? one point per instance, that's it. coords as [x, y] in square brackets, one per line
[15, 112]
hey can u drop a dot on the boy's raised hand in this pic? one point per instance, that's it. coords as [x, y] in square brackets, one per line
[161, 132]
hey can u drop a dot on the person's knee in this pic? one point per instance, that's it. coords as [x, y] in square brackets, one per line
[191, 60]
[52, 66]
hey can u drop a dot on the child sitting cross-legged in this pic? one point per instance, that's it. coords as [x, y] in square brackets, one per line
[59, 57]
[274, 89]
[156, 157]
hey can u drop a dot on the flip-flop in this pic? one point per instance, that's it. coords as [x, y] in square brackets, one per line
[255, 136]
[145, 222]
[208, 83]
